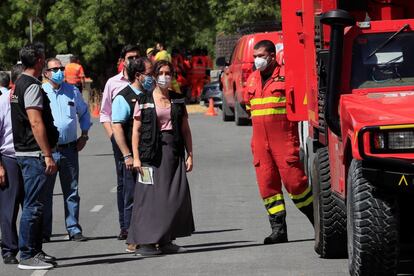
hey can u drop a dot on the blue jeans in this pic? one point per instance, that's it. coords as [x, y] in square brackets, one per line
[67, 161]
[11, 196]
[35, 181]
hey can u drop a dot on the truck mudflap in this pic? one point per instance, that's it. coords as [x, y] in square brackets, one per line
[401, 180]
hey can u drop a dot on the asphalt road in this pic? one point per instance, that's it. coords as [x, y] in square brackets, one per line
[230, 219]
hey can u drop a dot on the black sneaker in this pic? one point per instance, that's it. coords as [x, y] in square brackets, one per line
[78, 237]
[45, 257]
[123, 235]
[171, 248]
[10, 259]
[147, 250]
[34, 263]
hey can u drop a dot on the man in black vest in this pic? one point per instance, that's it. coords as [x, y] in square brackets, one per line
[139, 73]
[35, 136]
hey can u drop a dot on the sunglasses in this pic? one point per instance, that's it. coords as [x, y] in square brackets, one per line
[132, 57]
[55, 69]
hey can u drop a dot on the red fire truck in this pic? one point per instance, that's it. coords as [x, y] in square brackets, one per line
[350, 75]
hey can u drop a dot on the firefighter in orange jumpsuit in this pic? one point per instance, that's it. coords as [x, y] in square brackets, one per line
[198, 75]
[275, 142]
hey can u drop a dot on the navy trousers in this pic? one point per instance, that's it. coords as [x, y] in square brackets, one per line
[11, 196]
[119, 183]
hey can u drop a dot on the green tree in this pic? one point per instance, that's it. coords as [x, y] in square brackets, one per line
[96, 30]
[232, 14]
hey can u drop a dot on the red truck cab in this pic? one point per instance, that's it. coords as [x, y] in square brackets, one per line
[356, 91]
[237, 71]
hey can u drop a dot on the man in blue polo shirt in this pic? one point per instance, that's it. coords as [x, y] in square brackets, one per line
[67, 104]
[139, 73]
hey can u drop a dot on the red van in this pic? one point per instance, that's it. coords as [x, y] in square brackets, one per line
[236, 72]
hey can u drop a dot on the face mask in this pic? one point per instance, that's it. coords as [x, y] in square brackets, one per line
[164, 81]
[148, 83]
[57, 77]
[260, 63]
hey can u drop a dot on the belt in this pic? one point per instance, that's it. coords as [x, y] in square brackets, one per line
[68, 145]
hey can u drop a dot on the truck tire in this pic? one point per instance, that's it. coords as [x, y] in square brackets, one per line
[238, 110]
[373, 219]
[330, 216]
[226, 112]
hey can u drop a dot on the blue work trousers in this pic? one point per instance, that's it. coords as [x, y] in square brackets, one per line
[67, 161]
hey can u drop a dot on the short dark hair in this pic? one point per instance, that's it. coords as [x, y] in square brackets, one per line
[16, 71]
[129, 48]
[136, 66]
[267, 44]
[162, 63]
[47, 63]
[4, 79]
[30, 54]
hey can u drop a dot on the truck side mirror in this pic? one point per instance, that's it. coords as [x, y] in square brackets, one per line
[221, 62]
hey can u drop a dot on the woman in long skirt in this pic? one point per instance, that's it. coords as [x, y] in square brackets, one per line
[161, 135]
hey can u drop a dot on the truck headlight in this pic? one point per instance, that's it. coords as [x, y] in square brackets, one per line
[394, 140]
[398, 140]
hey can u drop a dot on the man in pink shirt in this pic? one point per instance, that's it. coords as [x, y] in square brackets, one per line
[113, 86]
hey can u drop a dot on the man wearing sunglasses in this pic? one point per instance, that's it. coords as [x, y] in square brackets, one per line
[67, 106]
[113, 86]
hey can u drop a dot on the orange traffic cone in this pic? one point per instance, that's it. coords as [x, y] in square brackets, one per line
[211, 111]
[95, 111]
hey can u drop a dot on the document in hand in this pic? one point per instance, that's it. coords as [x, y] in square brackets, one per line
[147, 177]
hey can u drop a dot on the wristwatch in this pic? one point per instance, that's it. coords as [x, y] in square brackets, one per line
[84, 136]
[126, 157]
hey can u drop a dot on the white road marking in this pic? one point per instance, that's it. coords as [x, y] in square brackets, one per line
[114, 189]
[96, 208]
[39, 272]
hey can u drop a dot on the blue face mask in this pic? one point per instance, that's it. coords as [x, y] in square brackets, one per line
[148, 83]
[57, 77]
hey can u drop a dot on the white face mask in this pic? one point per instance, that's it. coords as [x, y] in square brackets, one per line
[164, 81]
[260, 63]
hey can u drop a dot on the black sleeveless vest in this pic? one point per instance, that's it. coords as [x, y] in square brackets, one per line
[23, 137]
[131, 98]
[149, 143]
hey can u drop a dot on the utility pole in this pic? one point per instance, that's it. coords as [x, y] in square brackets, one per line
[31, 29]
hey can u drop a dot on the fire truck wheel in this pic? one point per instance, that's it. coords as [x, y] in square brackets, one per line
[372, 223]
[330, 216]
[227, 113]
[238, 111]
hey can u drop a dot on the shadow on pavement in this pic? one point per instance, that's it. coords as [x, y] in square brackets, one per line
[89, 238]
[94, 256]
[219, 248]
[216, 231]
[213, 244]
[303, 240]
[102, 261]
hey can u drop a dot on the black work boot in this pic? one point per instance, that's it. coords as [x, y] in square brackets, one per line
[279, 229]
[308, 211]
